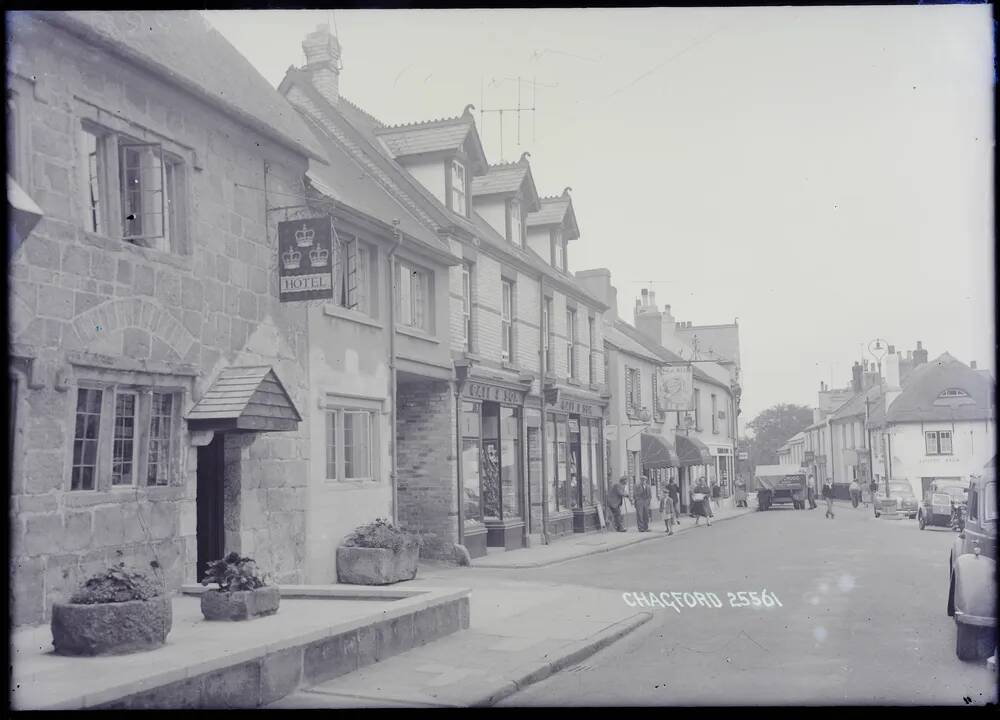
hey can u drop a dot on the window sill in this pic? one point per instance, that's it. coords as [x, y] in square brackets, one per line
[105, 242]
[345, 485]
[355, 316]
[418, 334]
[507, 365]
[573, 381]
[112, 496]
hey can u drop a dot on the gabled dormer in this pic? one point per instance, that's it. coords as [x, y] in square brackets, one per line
[552, 227]
[442, 155]
[505, 196]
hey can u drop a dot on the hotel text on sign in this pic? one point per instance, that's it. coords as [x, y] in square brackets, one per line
[305, 259]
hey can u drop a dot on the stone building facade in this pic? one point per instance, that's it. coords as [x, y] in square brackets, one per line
[151, 143]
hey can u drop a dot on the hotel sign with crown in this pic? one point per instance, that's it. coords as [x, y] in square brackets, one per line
[305, 259]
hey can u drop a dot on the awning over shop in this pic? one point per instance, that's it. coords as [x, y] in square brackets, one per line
[250, 399]
[657, 452]
[692, 451]
[24, 214]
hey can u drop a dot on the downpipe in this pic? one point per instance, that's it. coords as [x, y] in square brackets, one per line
[391, 257]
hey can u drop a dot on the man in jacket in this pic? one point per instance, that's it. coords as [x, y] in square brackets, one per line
[642, 497]
[675, 495]
[828, 496]
[615, 495]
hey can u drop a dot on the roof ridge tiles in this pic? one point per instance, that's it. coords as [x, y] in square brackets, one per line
[421, 123]
[364, 112]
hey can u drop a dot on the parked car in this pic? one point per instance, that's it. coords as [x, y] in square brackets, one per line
[972, 571]
[941, 504]
[902, 494]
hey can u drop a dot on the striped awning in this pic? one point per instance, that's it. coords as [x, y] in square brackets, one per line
[250, 399]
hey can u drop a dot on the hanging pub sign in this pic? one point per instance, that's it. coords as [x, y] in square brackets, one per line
[305, 259]
[676, 388]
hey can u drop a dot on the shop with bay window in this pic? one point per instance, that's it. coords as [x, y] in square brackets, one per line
[492, 466]
[574, 465]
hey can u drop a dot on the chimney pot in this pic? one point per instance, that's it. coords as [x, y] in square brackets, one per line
[973, 364]
[892, 349]
[920, 345]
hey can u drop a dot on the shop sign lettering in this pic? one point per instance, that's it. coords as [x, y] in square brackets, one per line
[577, 408]
[491, 393]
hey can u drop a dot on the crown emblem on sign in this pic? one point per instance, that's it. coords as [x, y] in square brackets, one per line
[291, 259]
[304, 236]
[318, 256]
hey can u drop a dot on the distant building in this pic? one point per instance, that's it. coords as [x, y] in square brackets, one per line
[793, 451]
[939, 422]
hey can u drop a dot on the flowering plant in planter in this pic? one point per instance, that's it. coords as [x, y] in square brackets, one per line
[118, 610]
[382, 534]
[242, 591]
[378, 553]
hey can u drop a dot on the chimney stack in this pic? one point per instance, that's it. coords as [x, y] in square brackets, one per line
[322, 50]
[919, 355]
[598, 283]
[972, 364]
[857, 377]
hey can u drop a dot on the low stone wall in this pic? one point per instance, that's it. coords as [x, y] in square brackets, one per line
[268, 678]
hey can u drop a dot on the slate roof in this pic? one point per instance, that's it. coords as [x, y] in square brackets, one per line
[426, 137]
[250, 396]
[360, 129]
[556, 211]
[919, 401]
[507, 178]
[855, 405]
[345, 181]
[623, 342]
[183, 48]
[622, 328]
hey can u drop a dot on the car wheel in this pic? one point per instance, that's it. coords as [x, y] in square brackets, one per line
[973, 642]
[920, 521]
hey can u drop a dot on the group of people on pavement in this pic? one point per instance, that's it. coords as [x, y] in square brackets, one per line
[827, 493]
[702, 499]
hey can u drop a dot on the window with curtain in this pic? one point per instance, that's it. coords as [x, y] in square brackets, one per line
[413, 297]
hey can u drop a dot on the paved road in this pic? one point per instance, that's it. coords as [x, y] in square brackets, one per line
[862, 618]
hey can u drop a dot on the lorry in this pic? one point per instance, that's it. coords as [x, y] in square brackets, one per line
[780, 484]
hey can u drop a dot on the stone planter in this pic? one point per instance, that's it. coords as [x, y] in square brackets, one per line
[110, 628]
[376, 566]
[240, 604]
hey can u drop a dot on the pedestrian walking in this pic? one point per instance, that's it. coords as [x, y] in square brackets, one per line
[642, 497]
[873, 488]
[667, 509]
[701, 503]
[716, 494]
[811, 491]
[855, 490]
[615, 495]
[828, 496]
[741, 493]
[675, 496]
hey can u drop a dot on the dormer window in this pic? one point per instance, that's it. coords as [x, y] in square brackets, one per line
[516, 228]
[458, 194]
[558, 250]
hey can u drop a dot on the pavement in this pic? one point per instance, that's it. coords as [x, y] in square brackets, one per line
[861, 619]
[524, 627]
[581, 545]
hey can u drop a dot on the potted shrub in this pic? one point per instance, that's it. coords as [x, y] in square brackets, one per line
[242, 593]
[378, 554]
[116, 611]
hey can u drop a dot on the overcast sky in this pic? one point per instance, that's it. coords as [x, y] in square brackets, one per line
[824, 173]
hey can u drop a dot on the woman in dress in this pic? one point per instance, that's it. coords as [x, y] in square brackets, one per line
[700, 499]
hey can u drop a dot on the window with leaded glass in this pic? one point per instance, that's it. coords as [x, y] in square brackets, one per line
[507, 321]
[88, 424]
[123, 440]
[351, 445]
[161, 421]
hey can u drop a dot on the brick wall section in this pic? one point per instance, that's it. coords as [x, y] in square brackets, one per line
[426, 468]
[214, 306]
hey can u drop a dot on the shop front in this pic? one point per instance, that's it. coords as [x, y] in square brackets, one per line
[694, 460]
[491, 424]
[574, 462]
[722, 467]
[659, 462]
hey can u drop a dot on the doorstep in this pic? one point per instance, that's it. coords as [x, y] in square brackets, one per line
[319, 633]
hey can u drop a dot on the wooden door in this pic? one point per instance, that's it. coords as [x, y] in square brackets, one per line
[211, 517]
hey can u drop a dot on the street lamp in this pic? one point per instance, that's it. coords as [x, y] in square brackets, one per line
[878, 349]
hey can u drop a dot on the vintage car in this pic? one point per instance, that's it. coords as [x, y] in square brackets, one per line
[942, 503]
[972, 571]
[901, 499]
